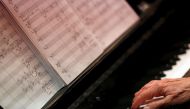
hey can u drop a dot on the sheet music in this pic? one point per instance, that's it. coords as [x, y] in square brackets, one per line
[24, 83]
[108, 19]
[71, 34]
[58, 32]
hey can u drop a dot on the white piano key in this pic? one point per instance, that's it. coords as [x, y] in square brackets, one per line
[181, 67]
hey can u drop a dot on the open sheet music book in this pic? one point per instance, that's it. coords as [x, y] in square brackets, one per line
[46, 44]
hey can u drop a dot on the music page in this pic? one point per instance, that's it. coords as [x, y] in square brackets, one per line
[107, 19]
[71, 34]
[24, 83]
[58, 33]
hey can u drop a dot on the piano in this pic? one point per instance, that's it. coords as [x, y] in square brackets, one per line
[157, 48]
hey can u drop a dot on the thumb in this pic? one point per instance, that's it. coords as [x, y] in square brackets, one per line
[161, 103]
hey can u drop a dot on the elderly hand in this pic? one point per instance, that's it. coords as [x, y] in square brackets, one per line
[175, 91]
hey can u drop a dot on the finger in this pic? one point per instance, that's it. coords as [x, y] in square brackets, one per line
[161, 103]
[154, 99]
[146, 95]
[155, 82]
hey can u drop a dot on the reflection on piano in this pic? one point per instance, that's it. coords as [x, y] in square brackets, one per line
[157, 49]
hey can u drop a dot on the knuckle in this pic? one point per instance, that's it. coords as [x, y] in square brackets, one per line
[162, 88]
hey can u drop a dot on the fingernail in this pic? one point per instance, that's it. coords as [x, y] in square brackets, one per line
[159, 97]
[142, 106]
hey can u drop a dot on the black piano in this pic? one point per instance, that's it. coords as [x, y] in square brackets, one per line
[153, 47]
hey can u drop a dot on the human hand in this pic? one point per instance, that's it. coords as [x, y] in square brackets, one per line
[175, 91]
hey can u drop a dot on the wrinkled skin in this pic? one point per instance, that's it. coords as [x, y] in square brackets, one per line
[175, 91]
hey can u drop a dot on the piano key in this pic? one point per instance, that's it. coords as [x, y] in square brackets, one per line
[181, 67]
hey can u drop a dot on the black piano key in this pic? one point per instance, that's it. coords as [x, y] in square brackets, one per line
[181, 51]
[1, 107]
[165, 67]
[161, 74]
[176, 58]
